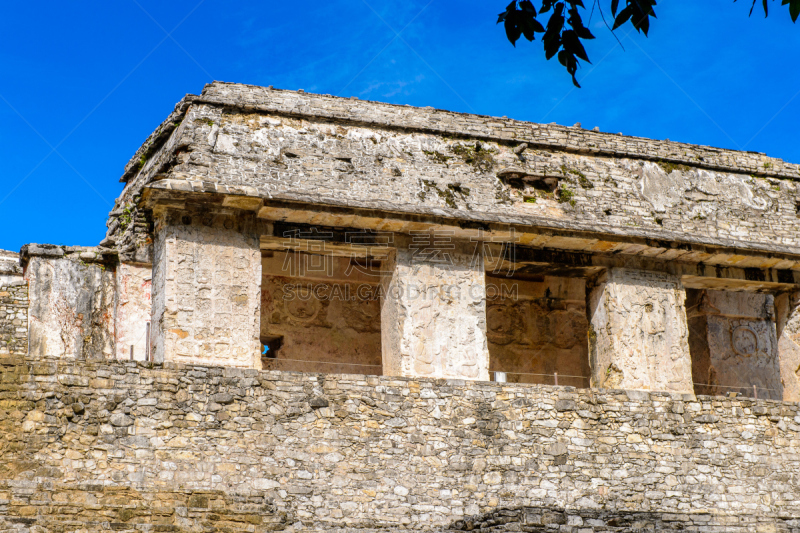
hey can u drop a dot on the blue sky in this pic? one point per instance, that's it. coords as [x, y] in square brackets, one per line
[84, 83]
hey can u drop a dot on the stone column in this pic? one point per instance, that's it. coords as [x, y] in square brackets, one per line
[206, 290]
[638, 337]
[787, 318]
[433, 314]
[734, 344]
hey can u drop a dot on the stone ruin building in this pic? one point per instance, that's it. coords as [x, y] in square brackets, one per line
[312, 313]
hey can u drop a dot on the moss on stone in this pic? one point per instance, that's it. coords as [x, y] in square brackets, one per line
[437, 156]
[669, 168]
[448, 194]
[479, 157]
[583, 181]
[566, 195]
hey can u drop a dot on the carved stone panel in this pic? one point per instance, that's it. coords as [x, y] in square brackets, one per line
[742, 343]
[434, 314]
[639, 336]
[205, 288]
[323, 326]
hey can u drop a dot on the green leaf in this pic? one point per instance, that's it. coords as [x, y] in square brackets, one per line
[510, 8]
[547, 5]
[527, 28]
[527, 7]
[576, 22]
[794, 9]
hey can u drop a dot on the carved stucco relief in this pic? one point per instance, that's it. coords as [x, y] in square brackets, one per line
[699, 190]
[321, 321]
[538, 330]
[639, 336]
[741, 345]
[434, 316]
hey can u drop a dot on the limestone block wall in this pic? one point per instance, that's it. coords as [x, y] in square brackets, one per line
[86, 443]
[638, 336]
[206, 290]
[13, 305]
[71, 312]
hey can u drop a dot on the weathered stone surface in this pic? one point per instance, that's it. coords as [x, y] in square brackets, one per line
[90, 507]
[638, 335]
[133, 312]
[325, 312]
[741, 346]
[537, 329]
[788, 331]
[9, 267]
[206, 291]
[434, 310]
[401, 159]
[385, 454]
[71, 306]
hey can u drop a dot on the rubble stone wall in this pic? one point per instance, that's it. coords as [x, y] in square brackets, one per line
[13, 305]
[185, 445]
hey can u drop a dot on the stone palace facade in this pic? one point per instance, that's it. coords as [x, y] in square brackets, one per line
[318, 313]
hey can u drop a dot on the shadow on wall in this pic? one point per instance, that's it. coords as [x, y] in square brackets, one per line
[590, 520]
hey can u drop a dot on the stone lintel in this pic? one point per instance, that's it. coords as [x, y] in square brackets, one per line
[320, 247]
[538, 243]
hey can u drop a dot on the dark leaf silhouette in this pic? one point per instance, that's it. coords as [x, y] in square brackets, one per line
[564, 30]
